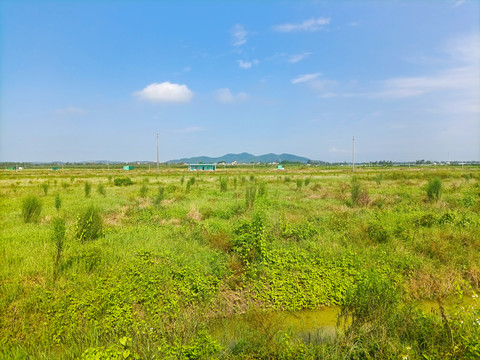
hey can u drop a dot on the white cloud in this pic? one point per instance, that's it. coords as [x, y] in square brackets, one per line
[458, 3]
[239, 35]
[224, 95]
[307, 25]
[337, 151]
[190, 129]
[299, 57]
[165, 92]
[247, 64]
[305, 78]
[70, 110]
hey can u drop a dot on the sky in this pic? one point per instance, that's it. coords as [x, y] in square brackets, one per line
[97, 80]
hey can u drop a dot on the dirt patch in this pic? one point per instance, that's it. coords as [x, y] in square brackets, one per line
[194, 214]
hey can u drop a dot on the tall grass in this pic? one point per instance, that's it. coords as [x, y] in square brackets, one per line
[31, 209]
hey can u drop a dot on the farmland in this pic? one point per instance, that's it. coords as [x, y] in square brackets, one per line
[112, 264]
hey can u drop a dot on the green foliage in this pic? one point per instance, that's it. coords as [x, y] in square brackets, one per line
[101, 190]
[223, 183]
[87, 188]
[31, 208]
[182, 179]
[378, 233]
[123, 181]
[262, 189]
[358, 195]
[250, 194]
[434, 188]
[143, 192]
[249, 242]
[89, 225]
[235, 181]
[57, 202]
[45, 187]
[157, 201]
[307, 181]
[58, 239]
[299, 184]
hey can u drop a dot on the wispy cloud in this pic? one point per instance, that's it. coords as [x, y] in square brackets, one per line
[224, 95]
[298, 57]
[70, 110]
[458, 3]
[309, 25]
[305, 78]
[239, 35]
[165, 92]
[246, 64]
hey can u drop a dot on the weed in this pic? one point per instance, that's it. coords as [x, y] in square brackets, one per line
[45, 187]
[58, 239]
[143, 190]
[299, 184]
[160, 196]
[223, 183]
[250, 193]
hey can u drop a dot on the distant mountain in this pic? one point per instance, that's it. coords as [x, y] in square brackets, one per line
[243, 158]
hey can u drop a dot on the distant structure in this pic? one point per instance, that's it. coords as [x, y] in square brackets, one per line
[196, 167]
[128, 167]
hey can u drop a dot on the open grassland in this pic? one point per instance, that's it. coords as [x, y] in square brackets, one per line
[99, 264]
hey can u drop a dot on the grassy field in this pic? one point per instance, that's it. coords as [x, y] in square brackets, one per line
[98, 264]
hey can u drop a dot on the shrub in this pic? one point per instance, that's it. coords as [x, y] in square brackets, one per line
[89, 225]
[31, 208]
[307, 181]
[45, 187]
[101, 190]
[88, 189]
[250, 194]
[123, 181]
[143, 190]
[262, 189]
[378, 233]
[299, 184]
[182, 179]
[235, 181]
[58, 202]
[223, 184]
[58, 238]
[434, 189]
[160, 196]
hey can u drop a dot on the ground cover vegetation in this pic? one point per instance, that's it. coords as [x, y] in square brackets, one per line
[181, 265]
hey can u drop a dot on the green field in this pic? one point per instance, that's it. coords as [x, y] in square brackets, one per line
[183, 265]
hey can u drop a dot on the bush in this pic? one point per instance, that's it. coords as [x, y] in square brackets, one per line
[223, 184]
[299, 184]
[58, 202]
[160, 196]
[434, 189]
[250, 194]
[58, 238]
[143, 190]
[262, 189]
[101, 190]
[45, 187]
[89, 225]
[88, 189]
[31, 208]
[123, 181]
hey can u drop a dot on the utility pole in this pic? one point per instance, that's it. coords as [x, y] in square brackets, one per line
[353, 154]
[157, 152]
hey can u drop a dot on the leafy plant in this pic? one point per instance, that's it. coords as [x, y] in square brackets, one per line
[31, 208]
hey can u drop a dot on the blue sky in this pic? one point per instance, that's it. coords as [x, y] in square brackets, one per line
[95, 80]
